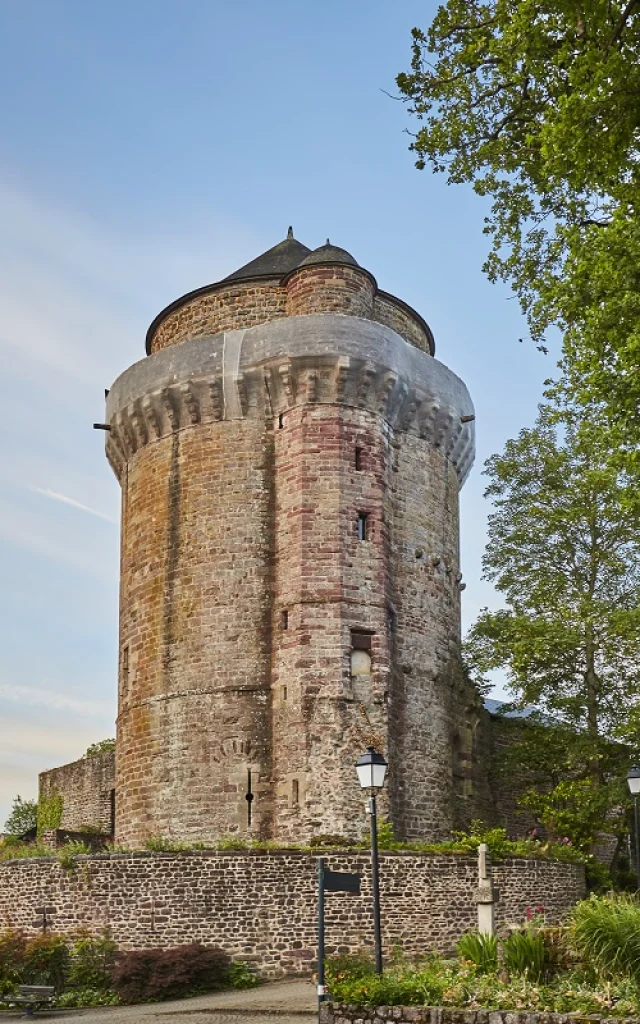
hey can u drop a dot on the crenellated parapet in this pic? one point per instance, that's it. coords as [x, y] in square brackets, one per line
[266, 370]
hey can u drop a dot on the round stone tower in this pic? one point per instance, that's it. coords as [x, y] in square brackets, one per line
[290, 454]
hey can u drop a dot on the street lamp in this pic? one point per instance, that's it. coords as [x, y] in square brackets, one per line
[633, 782]
[371, 769]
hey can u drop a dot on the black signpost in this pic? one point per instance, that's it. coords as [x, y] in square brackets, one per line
[330, 881]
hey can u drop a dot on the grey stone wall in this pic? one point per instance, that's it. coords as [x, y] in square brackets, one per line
[261, 906]
[86, 787]
[340, 1013]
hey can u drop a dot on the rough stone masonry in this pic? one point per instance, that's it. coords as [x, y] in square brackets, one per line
[290, 454]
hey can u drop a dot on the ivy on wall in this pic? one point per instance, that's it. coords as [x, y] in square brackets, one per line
[50, 811]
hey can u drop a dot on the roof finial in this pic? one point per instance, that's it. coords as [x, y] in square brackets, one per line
[290, 232]
[328, 242]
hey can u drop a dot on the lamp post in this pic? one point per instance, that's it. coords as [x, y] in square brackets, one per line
[633, 782]
[372, 768]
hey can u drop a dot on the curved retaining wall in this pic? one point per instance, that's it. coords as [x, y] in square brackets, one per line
[261, 906]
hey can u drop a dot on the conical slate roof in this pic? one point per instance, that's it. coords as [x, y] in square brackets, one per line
[328, 253]
[275, 262]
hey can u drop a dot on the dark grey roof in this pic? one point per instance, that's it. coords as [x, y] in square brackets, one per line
[494, 707]
[329, 253]
[275, 262]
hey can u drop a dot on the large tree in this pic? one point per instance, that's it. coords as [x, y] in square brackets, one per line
[537, 104]
[563, 551]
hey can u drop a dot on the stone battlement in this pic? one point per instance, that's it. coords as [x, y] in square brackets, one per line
[266, 370]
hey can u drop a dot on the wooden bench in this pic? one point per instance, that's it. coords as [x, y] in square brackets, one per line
[32, 997]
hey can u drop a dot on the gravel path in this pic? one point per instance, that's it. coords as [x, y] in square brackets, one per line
[284, 1002]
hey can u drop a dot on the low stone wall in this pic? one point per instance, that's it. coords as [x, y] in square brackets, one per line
[261, 906]
[339, 1013]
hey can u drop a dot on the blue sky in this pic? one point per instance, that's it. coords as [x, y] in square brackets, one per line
[147, 148]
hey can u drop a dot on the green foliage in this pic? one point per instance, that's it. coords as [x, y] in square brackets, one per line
[525, 952]
[45, 961]
[480, 950]
[437, 982]
[240, 975]
[578, 809]
[86, 997]
[102, 747]
[66, 854]
[536, 106]
[159, 844]
[12, 949]
[564, 551]
[50, 812]
[606, 933]
[353, 980]
[13, 850]
[24, 816]
[91, 964]
[155, 974]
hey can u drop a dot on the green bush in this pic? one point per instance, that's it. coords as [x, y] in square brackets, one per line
[74, 997]
[12, 947]
[154, 974]
[480, 950]
[91, 964]
[240, 975]
[606, 933]
[525, 952]
[46, 962]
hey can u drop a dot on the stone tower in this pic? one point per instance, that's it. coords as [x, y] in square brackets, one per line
[290, 454]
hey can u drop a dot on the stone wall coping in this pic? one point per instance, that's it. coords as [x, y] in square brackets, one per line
[334, 852]
[263, 371]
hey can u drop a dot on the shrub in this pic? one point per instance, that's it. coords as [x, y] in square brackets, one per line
[66, 854]
[525, 952]
[101, 747]
[46, 962]
[240, 975]
[480, 950]
[606, 933]
[91, 965]
[160, 844]
[12, 947]
[86, 997]
[155, 974]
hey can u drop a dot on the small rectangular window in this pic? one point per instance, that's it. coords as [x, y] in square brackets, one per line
[362, 526]
[295, 792]
[280, 421]
[358, 459]
[125, 667]
[284, 693]
[361, 640]
[284, 619]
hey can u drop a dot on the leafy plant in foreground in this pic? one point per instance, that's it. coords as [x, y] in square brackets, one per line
[525, 952]
[480, 950]
[606, 933]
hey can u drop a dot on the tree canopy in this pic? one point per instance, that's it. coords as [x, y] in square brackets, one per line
[563, 550]
[24, 816]
[537, 104]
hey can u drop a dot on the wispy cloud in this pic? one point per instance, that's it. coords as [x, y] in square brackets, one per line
[72, 501]
[40, 697]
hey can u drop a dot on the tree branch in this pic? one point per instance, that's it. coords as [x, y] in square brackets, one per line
[624, 17]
